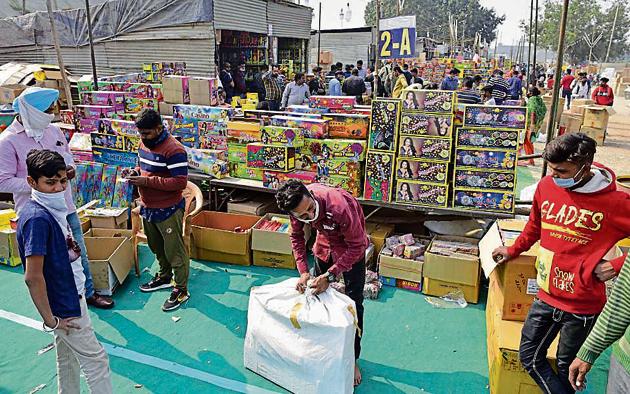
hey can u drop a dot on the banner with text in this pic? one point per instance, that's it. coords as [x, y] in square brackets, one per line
[397, 37]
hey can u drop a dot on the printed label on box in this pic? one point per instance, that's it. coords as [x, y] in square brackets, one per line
[487, 138]
[491, 159]
[532, 286]
[435, 101]
[484, 200]
[421, 193]
[495, 117]
[473, 179]
[426, 124]
[423, 171]
[425, 148]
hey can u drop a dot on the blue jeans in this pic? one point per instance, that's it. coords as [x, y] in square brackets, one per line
[75, 225]
[542, 325]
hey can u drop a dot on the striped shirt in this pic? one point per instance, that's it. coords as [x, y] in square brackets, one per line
[468, 97]
[166, 168]
[612, 325]
[500, 88]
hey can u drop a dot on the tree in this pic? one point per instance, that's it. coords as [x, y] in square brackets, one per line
[589, 28]
[432, 17]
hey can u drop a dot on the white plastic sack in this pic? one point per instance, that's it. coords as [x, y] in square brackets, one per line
[301, 342]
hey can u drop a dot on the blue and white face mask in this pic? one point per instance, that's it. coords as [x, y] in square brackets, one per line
[568, 183]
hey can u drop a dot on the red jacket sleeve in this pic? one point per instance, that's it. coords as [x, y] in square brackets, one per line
[354, 236]
[531, 232]
[594, 94]
[299, 245]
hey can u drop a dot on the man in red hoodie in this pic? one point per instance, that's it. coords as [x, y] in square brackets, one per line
[603, 94]
[340, 245]
[578, 216]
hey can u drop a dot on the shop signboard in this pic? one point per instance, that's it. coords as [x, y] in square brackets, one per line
[397, 37]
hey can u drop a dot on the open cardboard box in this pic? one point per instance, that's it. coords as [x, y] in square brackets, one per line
[462, 270]
[108, 233]
[111, 260]
[272, 248]
[118, 220]
[214, 238]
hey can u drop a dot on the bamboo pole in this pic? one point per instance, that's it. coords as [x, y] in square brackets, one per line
[62, 68]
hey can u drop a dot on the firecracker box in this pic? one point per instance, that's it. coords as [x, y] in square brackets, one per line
[422, 171]
[332, 102]
[453, 259]
[218, 142]
[202, 112]
[210, 162]
[211, 127]
[204, 91]
[483, 200]
[135, 105]
[401, 283]
[67, 116]
[440, 288]
[111, 99]
[240, 170]
[334, 149]
[599, 135]
[243, 137]
[268, 157]
[305, 109]
[384, 124]
[499, 117]
[379, 171]
[182, 125]
[343, 167]
[93, 111]
[487, 138]
[417, 193]
[596, 117]
[282, 136]
[311, 128]
[486, 159]
[351, 126]
[437, 125]
[427, 148]
[237, 153]
[222, 237]
[146, 90]
[432, 101]
[9, 253]
[351, 185]
[273, 179]
[117, 126]
[486, 180]
[109, 141]
[190, 140]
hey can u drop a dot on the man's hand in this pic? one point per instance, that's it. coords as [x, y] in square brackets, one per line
[604, 271]
[301, 284]
[320, 284]
[64, 324]
[577, 374]
[137, 180]
[501, 255]
[70, 173]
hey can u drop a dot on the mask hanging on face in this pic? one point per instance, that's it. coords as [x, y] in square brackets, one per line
[314, 216]
[568, 183]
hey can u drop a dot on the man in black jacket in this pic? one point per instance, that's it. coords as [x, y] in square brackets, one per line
[354, 86]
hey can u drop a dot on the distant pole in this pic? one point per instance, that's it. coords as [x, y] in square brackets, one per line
[376, 79]
[612, 32]
[23, 7]
[319, 34]
[551, 125]
[62, 68]
[535, 77]
[89, 25]
[529, 43]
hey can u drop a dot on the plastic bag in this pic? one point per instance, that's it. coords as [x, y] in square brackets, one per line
[301, 342]
[454, 299]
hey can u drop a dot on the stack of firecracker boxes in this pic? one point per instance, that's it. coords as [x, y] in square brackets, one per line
[486, 148]
[328, 147]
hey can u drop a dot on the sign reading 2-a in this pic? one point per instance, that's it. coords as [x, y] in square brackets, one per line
[397, 43]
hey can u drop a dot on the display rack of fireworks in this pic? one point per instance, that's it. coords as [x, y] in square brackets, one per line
[350, 126]
[87, 117]
[379, 171]
[283, 136]
[107, 98]
[310, 128]
[384, 124]
[208, 161]
[332, 102]
[270, 157]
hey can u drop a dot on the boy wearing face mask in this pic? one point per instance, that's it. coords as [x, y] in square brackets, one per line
[54, 275]
[30, 130]
[578, 215]
[340, 245]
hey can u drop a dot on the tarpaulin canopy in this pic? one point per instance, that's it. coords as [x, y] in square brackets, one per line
[109, 20]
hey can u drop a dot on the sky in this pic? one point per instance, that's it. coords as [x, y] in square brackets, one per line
[509, 31]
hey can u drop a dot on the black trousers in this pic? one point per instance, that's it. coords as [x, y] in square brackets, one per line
[355, 281]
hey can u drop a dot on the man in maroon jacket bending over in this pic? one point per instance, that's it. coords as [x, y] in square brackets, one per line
[340, 245]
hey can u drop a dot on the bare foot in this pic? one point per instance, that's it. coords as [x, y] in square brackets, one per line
[357, 375]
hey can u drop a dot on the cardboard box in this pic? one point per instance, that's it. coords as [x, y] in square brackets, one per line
[268, 157]
[399, 268]
[111, 260]
[571, 122]
[8, 93]
[108, 233]
[203, 91]
[282, 136]
[599, 135]
[214, 238]
[378, 232]
[165, 108]
[596, 117]
[418, 193]
[401, 283]
[273, 179]
[426, 148]
[240, 170]
[503, 340]
[86, 224]
[439, 288]
[117, 220]
[311, 128]
[175, 89]
[455, 269]
[352, 126]
[260, 206]
[484, 200]
[273, 260]
[517, 279]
